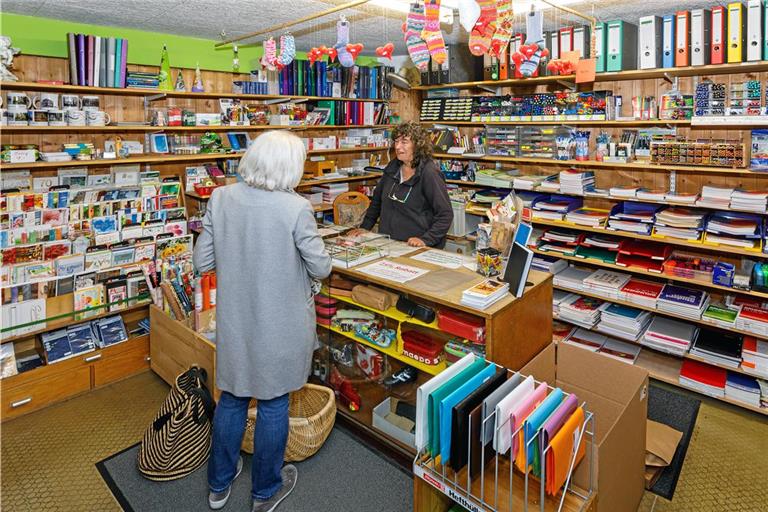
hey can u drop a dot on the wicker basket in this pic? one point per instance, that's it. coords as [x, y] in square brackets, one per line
[312, 413]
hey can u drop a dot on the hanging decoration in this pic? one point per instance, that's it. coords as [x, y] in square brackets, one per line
[354, 50]
[235, 58]
[269, 58]
[503, 33]
[332, 53]
[482, 32]
[346, 58]
[197, 86]
[165, 71]
[386, 51]
[529, 55]
[412, 28]
[287, 50]
[469, 13]
[432, 33]
[314, 54]
[180, 85]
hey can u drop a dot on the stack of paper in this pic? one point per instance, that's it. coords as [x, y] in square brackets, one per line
[576, 182]
[722, 316]
[641, 292]
[753, 319]
[633, 217]
[681, 223]
[605, 283]
[651, 195]
[586, 339]
[754, 355]
[529, 182]
[592, 217]
[715, 197]
[685, 302]
[548, 264]
[704, 378]
[682, 198]
[583, 311]
[558, 297]
[735, 229]
[572, 278]
[619, 350]
[331, 190]
[564, 242]
[549, 185]
[752, 201]
[496, 178]
[624, 322]
[718, 347]
[484, 294]
[669, 335]
[554, 208]
[624, 191]
[601, 241]
[742, 388]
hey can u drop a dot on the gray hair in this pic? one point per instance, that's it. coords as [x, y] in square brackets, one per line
[274, 161]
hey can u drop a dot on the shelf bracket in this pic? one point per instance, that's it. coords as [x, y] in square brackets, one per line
[673, 182]
[571, 86]
[153, 97]
[277, 101]
[495, 90]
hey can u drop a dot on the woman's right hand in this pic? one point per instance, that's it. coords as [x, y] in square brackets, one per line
[355, 232]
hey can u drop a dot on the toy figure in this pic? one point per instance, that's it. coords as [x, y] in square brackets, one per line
[7, 52]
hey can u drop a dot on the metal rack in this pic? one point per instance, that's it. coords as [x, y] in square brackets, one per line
[496, 488]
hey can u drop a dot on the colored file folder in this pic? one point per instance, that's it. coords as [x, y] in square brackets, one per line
[622, 46]
[718, 35]
[529, 455]
[600, 33]
[566, 39]
[502, 433]
[754, 40]
[736, 28]
[682, 38]
[562, 450]
[700, 21]
[581, 40]
[650, 42]
[668, 41]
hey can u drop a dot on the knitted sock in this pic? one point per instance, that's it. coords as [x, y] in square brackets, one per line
[534, 27]
[342, 40]
[469, 12]
[432, 33]
[503, 33]
[482, 32]
[287, 50]
[412, 28]
[269, 59]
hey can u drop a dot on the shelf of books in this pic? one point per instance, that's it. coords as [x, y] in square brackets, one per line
[154, 129]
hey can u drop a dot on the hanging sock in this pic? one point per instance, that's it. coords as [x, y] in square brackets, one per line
[287, 50]
[534, 44]
[432, 33]
[269, 59]
[417, 47]
[480, 38]
[342, 40]
[503, 33]
[469, 13]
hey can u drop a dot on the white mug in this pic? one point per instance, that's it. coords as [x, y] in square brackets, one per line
[71, 102]
[97, 118]
[3, 117]
[18, 101]
[46, 101]
[38, 117]
[57, 117]
[90, 103]
[17, 118]
[75, 118]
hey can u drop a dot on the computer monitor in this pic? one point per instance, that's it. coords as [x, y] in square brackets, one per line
[517, 268]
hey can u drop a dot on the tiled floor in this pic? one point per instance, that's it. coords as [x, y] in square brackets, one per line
[48, 457]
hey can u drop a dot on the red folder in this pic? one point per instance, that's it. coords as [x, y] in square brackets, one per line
[682, 38]
[704, 373]
[718, 35]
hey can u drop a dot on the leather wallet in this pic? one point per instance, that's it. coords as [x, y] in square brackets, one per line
[422, 348]
[417, 311]
[460, 324]
[375, 298]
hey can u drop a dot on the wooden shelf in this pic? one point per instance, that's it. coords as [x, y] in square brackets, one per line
[34, 86]
[70, 320]
[153, 129]
[392, 313]
[574, 122]
[637, 74]
[325, 207]
[635, 270]
[159, 158]
[646, 166]
[670, 241]
[666, 368]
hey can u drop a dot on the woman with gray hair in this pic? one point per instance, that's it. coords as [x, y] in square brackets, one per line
[261, 238]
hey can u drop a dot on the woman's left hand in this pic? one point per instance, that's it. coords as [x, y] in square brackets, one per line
[416, 242]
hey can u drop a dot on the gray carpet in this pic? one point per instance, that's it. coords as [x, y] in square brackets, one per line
[679, 411]
[344, 476]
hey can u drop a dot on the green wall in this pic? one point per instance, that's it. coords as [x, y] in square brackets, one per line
[48, 37]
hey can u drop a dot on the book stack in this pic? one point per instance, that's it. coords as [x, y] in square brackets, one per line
[641, 292]
[484, 294]
[585, 339]
[657, 195]
[605, 283]
[753, 319]
[97, 61]
[754, 355]
[558, 297]
[549, 185]
[734, 229]
[685, 302]
[671, 336]
[619, 350]
[719, 315]
[142, 80]
[572, 278]
[742, 388]
[554, 207]
[65, 343]
[592, 217]
[624, 191]
[682, 223]
[564, 242]
[548, 264]
[633, 217]
[686, 198]
[602, 242]
[576, 182]
[753, 201]
[582, 311]
[718, 347]
[331, 191]
[530, 182]
[706, 379]
[715, 197]
[623, 322]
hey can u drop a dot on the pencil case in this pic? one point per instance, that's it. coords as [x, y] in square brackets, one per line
[375, 298]
[324, 300]
[422, 348]
[414, 310]
[455, 350]
[462, 325]
[327, 311]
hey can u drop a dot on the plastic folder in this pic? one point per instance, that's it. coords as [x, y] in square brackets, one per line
[682, 38]
[736, 27]
[718, 35]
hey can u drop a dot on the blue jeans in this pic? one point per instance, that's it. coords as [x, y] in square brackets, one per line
[269, 440]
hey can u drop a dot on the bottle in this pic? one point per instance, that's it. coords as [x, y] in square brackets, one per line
[213, 290]
[198, 295]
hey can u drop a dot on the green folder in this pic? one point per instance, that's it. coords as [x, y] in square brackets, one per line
[600, 48]
[595, 253]
[437, 396]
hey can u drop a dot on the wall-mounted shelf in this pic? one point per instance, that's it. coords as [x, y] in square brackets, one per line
[153, 129]
[563, 122]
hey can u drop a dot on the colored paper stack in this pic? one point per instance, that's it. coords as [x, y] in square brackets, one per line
[754, 355]
[722, 316]
[633, 217]
[641, 292]
[582, 311]
[554, 207]
[605, 283]
[753, 201]
[671, 336]
[742, 388]
[682, 223]
[572, 278]
[715, 197]
[718, 347]
[753, 319]
[685, 302]
[619, 350]
[704, 378]
[576, 182]
[592, 217]
[623, 322]
[585, 339]
[735, 229]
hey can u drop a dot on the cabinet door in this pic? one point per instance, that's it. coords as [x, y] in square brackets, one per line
[121, 361]
[54, 387]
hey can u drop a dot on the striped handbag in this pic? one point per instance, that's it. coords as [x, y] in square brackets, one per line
[179, 439]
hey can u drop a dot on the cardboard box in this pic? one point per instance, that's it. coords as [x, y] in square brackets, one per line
[617, 395]
[386, 420]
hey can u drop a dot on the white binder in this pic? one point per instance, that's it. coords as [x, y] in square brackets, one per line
[700, 27]
[754, 30]
[650, 42]
[581, 40]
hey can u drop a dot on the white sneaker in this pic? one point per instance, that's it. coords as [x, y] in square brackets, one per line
[217, 500]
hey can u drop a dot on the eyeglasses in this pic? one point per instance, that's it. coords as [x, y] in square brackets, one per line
[393, 197]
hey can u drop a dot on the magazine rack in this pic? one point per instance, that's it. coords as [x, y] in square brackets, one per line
[349, 252]
[498, 487]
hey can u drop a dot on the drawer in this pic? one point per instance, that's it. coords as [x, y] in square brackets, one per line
[121, 361]
[53, 387]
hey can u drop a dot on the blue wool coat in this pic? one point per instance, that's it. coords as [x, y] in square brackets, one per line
[265, 249]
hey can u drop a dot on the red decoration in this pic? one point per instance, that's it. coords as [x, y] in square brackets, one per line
[314, 55]
[332, 54]
[355, 49]
[385, 51]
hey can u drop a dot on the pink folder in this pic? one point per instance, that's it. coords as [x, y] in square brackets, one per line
[519, 413]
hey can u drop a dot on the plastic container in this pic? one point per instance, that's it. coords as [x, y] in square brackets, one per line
[690, 266]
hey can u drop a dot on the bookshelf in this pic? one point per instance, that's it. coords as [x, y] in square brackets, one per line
[127, 128]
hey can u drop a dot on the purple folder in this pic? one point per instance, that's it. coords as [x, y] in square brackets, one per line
[80, 45]
[557, 419]
[124, 64]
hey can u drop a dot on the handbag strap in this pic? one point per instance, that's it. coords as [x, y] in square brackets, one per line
[199, 376]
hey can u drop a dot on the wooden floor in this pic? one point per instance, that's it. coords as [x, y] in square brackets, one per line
[48, 457]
